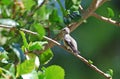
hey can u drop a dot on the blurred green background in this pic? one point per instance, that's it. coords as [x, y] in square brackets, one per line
[98, 41]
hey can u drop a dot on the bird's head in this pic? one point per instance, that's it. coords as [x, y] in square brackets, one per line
[66, 30]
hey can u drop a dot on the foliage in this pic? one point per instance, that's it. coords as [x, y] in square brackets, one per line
[18, 57]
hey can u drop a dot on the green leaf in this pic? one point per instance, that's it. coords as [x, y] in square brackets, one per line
[12, 69]
[54, 17]
[3, 54]
[40, 30]
[76, 2]
[90, 61]
[6, 2]
[46, 56]
[24, 39]
[110, 12]
[52, 72]
[41, 75]
[72, 4]
[33, 56]
[32, 75]
[26, 67]
[44, 12]
[8, 73]
[68, 4]
[38, 45]
[28, 4]
[110, 72]
[17, 50]
[9, 22]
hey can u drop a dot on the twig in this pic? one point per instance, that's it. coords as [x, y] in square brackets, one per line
[33, 33]
[14, 9]
[95, 4]
[76, 55]
[109, 20]
[58, 44]
[73, 26]
[30, 32]
[93, 66]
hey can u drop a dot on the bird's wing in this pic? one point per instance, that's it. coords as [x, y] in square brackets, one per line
[69, 43]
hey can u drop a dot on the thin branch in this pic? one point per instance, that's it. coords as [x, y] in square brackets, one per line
[14, 9]
[109, 20]
[31, 32]
[95, 4]
[76, 55]
[58, 44]
[73, 26]
[93, 66]
[7, 27]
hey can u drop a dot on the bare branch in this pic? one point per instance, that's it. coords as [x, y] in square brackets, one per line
[6, 26]
[58, 44]
[94, 5]
[105, 19]
[109, 20]
[73, 26]
[33, 33]
[93, 66]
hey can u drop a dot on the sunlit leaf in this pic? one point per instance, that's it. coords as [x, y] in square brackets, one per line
[38, 45]
[110, 12]
[46, 56]
[41, 75]
[40, 2]
[26, 67]
[24, 39]
[12, 69]
[52, 72]
[6, 2]
[9, 22]
[28, 4]
[110, 72]
[3, 55]
[8, 73]
[32, 75]
[33, 56]
[90, 61]
[37, 62]
[40, 30]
